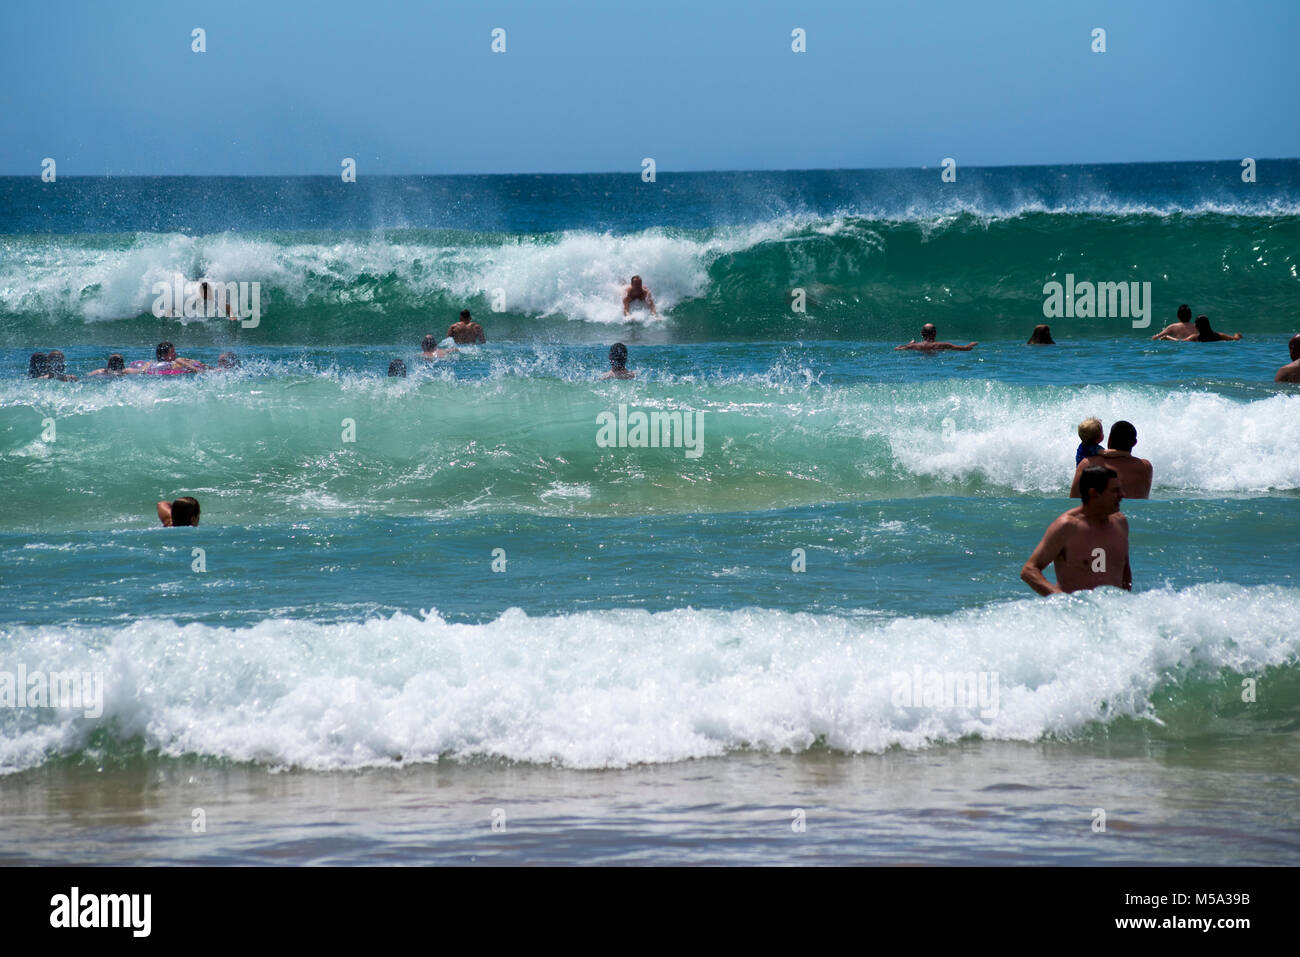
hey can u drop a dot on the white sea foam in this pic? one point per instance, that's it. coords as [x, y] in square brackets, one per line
[613, 688]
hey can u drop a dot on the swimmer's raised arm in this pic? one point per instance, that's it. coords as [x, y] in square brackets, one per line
[906, 345]
[165, 513]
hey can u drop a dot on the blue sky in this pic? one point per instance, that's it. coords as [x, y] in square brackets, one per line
[292, 88]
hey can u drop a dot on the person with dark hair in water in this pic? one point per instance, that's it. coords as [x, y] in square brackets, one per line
[1134, 473]
[55, 364]
[1291, 371]
[1088, 545]
[228, 360]
[928, 344]
[1041, 336]
[429, 349]
[180, 513]
[397, 369]
[115, 366]
[38, 366]
[1181, 330]
[1205, 334]
[618, 363]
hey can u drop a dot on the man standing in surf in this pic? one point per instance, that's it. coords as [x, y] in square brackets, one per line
[637, 291]
[1088, 545]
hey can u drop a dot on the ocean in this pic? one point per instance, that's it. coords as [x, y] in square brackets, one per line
[444, 619]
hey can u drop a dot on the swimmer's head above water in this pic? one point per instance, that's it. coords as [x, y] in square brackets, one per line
[38, 365]
[397, 368]
[929, 333]
[618, 356]
[1096, 480]
[1294, 346]
[1184, 313]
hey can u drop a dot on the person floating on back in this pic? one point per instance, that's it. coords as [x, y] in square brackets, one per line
[1291, 371]
[618, 363]
[466, 332]
[1088, 545]
[1134, 473]
[1182, 330]
[429, 349]
[1090, 436]
[1041, 336]
[1205, 334]
[184, 511]
[928, 343]
[635, 292]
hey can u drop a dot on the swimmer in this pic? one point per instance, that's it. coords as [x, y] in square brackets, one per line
[1179, 331]
[1205, 334]
[1088, 545]
[228, 360]
[429, 349]
[184, 511]
[38, 366]
[1134, 473]
[166, 361]
[55, 364]
[206, 291]
[637, 292]
[928, 343]
[115, 366]
[1291, 371]
[1090, 436]
[1041, 336]
[397, 369]
[466, 332]
[618, 363]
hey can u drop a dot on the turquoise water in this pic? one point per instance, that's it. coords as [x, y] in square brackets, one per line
[448, 580]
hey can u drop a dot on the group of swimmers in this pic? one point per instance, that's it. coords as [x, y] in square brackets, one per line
[52, 365]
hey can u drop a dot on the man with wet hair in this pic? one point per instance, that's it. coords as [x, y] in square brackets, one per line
[38, 366]
[1181, 330]
[618, 363]
[928, 344]
[165, 356]
[1088, 545]
[636, 292]
[397, 369]
[1291, 371]
[466, 332]
[180, 513]
[1134, 473]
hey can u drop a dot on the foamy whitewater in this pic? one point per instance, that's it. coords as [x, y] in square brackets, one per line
[464, 586]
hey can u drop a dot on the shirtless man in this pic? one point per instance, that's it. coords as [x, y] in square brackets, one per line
[467, 332]
[1134, 473]
[618, 363]
[165, 357]
[1181, 330]
[636, 291]
[927, 343]
[1291, 371]
[1088, 545]
[429, 348]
